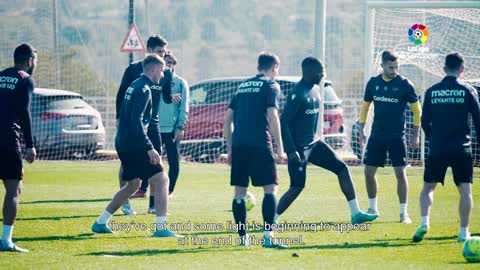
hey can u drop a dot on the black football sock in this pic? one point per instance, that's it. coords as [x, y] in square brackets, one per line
[151, 203]
[346, 184]
[287, 199]
[269, 206]
[240, 214]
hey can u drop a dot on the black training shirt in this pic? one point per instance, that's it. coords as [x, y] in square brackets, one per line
[250, 103]
[300, 116]
[16, 88]
[445, 113]
[135, 115]
[133, 72]
[389, 99]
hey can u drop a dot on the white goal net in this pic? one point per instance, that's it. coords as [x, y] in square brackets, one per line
[423, 37]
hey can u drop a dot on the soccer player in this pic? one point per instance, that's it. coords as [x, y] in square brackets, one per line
[446, 108]
[138, 157]
[253, 112]
[172, 120]
[158, 45]
[390, 93]
[299, 126]
[16, 88]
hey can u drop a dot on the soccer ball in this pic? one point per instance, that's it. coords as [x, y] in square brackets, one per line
[471, 249]
[250, 201]
[418, 34]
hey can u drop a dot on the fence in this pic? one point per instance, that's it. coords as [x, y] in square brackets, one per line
[79, 43]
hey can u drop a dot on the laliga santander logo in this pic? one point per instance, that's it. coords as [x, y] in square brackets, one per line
[418, 34]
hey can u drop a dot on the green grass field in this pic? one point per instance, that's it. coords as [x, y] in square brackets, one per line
[60, 201]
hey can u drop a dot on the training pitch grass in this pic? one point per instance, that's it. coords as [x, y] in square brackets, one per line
[60, 201]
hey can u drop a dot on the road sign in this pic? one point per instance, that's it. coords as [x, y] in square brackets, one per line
[133, 41]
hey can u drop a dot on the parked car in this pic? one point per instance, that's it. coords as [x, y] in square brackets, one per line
[209, 100]
[415, 155]
[64, 125]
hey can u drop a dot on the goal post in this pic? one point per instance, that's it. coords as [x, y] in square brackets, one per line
[452, 26]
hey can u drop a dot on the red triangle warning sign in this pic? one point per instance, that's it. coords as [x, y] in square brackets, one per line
[133, 41]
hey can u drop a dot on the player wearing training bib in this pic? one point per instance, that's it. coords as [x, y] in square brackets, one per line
[446, 109]
[390, 94]
[299, 128]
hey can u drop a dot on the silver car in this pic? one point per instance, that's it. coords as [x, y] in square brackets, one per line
[64, 125]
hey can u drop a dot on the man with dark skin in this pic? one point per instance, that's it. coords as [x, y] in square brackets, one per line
[299, 132]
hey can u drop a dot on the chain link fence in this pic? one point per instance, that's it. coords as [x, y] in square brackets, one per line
[79, 44]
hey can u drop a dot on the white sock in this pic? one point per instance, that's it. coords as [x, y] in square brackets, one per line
[426, 221]
[268, 234]
[354, 208]
[7, 232]
[104, 217]
[161, 219]
[463, 231]
[276, 218]
[372, 204]
[403, 208]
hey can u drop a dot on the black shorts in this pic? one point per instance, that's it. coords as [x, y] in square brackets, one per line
[377, 149]
[436, 167]
[11, 165]
[255, 163]
[319, 154]
[136, 164]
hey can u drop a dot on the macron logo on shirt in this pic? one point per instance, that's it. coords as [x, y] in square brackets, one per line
[8, 82]
[448, 96]
[249, 87]
[448, 93]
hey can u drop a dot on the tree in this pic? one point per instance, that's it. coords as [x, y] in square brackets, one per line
[75, 36]
[303, 27]
[209, 31]
[183, 24]
[269, 26]
[220, 8]
[79, 77]
[45, 72]
[205, 55]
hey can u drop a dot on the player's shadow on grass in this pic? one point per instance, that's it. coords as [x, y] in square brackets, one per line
[438, 238]
[378, 222]
[54, 217]
[68, 201]
[152, 252]
[354, 245]
[465, 262]
[83, 236]
[220, 232]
